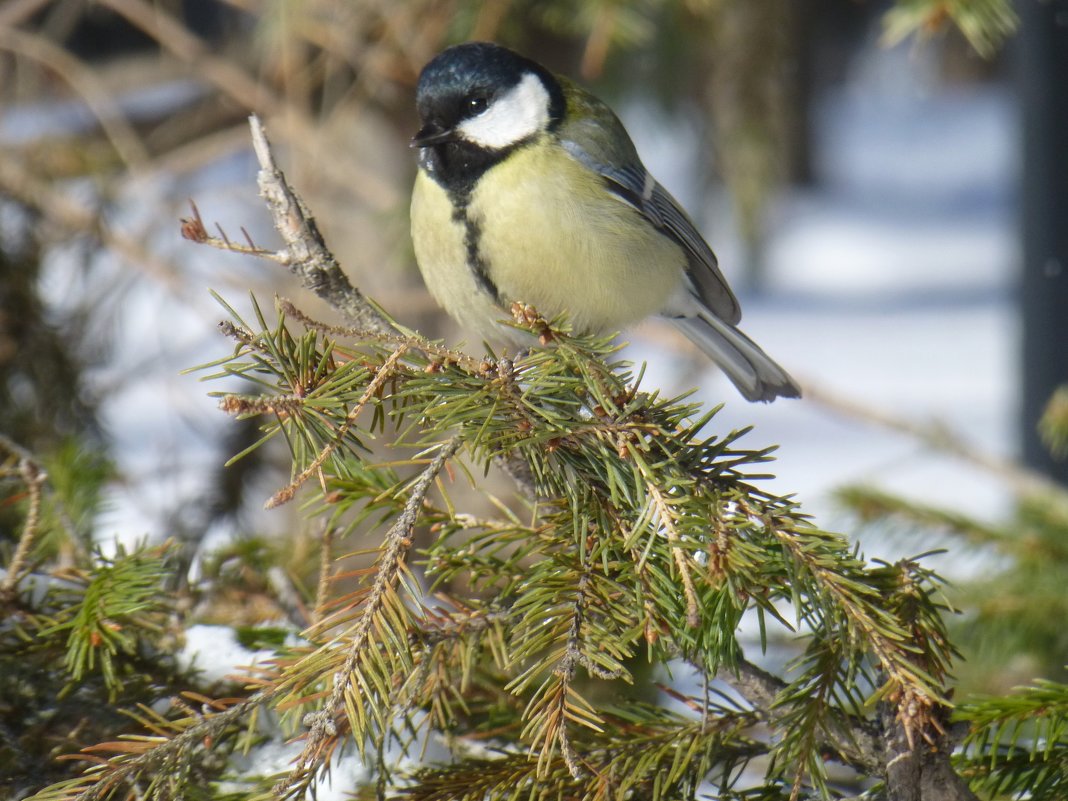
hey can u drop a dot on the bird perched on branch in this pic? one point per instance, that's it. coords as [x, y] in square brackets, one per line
[530, 190]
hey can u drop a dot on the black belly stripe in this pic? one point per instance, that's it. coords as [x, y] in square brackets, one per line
[476, 262]
[457, 168]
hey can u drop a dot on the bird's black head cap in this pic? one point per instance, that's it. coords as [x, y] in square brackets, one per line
[458, 85]
[454, 82]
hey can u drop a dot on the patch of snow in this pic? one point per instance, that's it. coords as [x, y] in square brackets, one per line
[215, 653]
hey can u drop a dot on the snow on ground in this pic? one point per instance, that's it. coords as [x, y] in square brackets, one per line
[215, 653]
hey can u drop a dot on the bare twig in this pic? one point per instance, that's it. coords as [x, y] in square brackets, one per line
[193, 229]
[307, 255]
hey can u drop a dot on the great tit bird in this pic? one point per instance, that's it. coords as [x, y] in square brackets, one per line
[529, 189]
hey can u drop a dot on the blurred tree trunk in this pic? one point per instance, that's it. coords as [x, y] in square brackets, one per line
[1043, 67]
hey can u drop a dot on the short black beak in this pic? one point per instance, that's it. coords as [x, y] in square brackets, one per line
[431, 134]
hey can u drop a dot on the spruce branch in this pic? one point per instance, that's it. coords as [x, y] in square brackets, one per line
[383, 374]
[1018, 743]
[912, 686]
[984, 23]
[398, 540]
[323, 584]
[647, 533]
[175, 743]
[1053, 426]
[437, 354]
[693, 613]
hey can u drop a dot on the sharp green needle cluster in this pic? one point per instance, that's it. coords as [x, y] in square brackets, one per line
[526, 639]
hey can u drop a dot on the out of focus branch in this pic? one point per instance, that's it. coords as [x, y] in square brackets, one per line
[14, 12]
[246, 90]
[33, 476]
[30, 190]
[84, 81]
[940, 437]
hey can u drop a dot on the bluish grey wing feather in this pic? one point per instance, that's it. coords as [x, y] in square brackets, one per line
[634, 185]
[748, 367]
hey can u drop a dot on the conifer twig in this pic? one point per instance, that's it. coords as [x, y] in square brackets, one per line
[385, 372]
[693, 613]
[432, 350]
[395, 546]
[322, 587]
[205, 731]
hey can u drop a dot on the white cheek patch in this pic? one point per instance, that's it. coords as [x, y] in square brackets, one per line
[515, 115]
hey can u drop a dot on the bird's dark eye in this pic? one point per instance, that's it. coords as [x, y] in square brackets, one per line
[476, 105]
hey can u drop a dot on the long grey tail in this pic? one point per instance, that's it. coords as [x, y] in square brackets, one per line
[757, 377]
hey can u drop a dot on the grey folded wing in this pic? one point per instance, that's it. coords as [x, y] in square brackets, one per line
[634, 185]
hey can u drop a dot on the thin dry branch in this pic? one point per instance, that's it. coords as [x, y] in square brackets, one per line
[34, 478]
[83, 80]
[940, 437]
[307, 255]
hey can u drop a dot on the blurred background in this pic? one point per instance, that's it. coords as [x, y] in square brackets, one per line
[859, 167]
